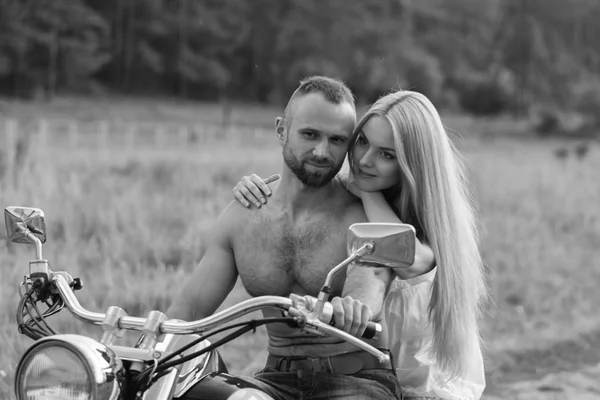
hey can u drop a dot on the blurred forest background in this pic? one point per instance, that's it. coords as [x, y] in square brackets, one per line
[129, 121]
[480, 57]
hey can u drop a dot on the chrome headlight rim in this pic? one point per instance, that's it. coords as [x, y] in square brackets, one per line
[102, 366]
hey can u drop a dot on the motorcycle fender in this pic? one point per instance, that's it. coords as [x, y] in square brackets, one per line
[222, 386]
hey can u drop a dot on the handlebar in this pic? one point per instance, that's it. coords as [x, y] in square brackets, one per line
[171, 326]
[224, 316]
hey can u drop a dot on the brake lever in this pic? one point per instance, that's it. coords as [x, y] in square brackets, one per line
[308, 322]
[326, 329]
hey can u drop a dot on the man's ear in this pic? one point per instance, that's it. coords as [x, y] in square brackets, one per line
[279, 128]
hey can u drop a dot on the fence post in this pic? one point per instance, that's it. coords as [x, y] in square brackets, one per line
[230, 133]
[130, 133]
[159, 137]
[11, 141]
[200, 132]
[102, 141]
[43, 134]
[183, 136]
[72, 131]
[208, 133]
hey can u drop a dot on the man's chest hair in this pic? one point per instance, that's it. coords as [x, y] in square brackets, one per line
[303, 241]
[277, 253]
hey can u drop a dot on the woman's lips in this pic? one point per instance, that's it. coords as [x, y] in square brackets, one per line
[365, 174]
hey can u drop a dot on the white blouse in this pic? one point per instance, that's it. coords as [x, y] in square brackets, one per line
[409, 337]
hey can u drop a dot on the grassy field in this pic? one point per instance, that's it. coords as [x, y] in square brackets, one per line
[130, 222]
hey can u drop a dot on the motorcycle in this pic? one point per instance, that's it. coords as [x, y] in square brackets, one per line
[172, 359]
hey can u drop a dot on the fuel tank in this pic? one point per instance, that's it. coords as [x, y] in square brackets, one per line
[221, 386]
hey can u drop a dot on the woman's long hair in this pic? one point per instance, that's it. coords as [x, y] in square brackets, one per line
[434, 197]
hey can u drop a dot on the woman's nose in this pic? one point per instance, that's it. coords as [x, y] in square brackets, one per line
[366, 160]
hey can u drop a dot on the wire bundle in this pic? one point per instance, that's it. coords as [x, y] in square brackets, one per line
[153, 373]
[31, 322]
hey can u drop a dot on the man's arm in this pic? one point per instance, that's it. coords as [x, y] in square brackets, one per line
[362, 298]
[214, 277]
[368, 285]
[364, 289]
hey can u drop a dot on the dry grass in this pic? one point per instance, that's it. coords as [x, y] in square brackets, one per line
[131, 224]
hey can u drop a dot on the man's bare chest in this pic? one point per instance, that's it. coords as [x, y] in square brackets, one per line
[275, 257]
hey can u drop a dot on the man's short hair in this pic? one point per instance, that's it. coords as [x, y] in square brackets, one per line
[334, 90]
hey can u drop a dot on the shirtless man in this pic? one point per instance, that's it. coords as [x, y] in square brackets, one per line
[290, 246]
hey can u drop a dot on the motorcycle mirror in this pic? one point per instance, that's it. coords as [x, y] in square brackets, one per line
[21, 222]
[377, 245]
[393, 244]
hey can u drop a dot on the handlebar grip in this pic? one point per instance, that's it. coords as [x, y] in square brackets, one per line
[372, 331]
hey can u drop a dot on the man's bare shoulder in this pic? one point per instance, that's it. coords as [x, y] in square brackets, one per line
[232, 218]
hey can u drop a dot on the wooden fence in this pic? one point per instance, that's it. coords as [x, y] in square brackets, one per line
[108, 134]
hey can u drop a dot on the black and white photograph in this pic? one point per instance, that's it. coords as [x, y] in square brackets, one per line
[300, 199]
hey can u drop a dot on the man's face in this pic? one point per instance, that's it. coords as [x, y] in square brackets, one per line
[318, 137]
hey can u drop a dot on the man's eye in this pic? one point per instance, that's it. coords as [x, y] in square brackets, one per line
[310, 134]
[338, 141]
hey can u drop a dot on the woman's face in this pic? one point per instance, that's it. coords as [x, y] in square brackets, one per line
[375, 166]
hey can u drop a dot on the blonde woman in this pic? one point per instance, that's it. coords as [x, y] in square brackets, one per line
[404, 168]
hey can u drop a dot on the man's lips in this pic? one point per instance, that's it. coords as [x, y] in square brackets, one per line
[318, 165]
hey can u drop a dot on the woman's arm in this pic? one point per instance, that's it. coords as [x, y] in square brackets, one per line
[378, 209]
[254, 190]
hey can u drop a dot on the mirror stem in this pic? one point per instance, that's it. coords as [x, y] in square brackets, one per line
[366, 248]
[38, 245]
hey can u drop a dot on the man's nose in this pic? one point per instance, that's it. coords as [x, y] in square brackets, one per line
[322, 149]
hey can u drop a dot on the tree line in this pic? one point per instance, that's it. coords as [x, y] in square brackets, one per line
[481, 56]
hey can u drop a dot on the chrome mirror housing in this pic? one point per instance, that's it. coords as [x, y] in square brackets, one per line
[23, 222]
[393, 244]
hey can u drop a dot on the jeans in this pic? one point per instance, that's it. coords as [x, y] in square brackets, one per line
[378, 384]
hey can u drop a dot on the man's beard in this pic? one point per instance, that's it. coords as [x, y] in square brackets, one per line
[310, 179]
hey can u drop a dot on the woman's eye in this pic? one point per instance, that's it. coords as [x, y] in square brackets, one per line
[362, 141]
[387, 156]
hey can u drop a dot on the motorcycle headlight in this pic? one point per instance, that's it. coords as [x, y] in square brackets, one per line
[68, 367]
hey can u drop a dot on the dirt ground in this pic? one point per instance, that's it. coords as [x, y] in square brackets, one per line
[582, 384]
[567, 370]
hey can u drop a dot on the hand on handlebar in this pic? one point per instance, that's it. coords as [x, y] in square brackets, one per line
[180, 327]
[350, 315]
[349, 312]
